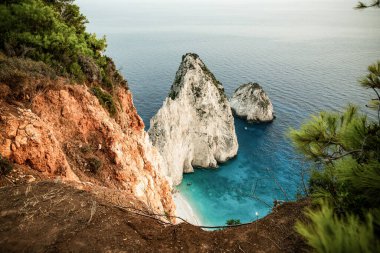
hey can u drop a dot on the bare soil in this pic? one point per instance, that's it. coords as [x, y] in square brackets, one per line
[50, 216]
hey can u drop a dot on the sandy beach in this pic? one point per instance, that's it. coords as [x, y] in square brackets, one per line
[184, 210]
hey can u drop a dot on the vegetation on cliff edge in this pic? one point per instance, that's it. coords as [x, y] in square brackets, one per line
[49, 37]
[344, 149]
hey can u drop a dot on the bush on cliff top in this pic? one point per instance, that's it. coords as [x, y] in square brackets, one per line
[53, 31]
[105, 99]
[5, 166]
[13, 69]
[24, 77]
[232, 222]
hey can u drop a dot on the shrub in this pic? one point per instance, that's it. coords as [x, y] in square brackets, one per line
[76, 72]
[5, 166]
[52, 31]
[233, 222]
[110, 75]
[345, 147]
[105, 99]
[14, 69]
[329, 233]
[21, 76]
[90, 68]
[106, 81]
[94, 164]
[85, 149]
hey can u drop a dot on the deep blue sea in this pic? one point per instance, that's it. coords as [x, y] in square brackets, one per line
[307, 54]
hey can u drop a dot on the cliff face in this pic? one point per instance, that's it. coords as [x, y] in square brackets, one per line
[64, 132]
[195, 126]
[249, 101]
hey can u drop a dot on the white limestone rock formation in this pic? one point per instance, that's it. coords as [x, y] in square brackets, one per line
[249, 101]
[195, 125]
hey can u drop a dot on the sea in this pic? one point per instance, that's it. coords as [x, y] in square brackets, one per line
[308, 55]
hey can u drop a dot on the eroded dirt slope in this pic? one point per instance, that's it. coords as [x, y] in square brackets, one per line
[54, 217]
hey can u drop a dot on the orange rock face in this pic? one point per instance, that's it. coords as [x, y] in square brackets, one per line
[27, 140]
[67, 133]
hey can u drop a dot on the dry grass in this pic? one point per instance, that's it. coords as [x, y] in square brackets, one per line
[21, 76]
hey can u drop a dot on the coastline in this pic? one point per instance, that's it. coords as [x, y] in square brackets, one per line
[184, 209]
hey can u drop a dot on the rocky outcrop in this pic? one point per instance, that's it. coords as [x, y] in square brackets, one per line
[27, 140]
[195, 126]
[66, 133]
[249, 101]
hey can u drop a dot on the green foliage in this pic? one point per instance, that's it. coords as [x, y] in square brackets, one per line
[233, 222]
[76, 71]
[329, 233]
[69, 13]
[346, 149]
[346, 179]
[105, 99]
[53, 31]
[5, 166]
[217, 84]
[372, 81]
[362, 177]
[173, 95]
[329, 136]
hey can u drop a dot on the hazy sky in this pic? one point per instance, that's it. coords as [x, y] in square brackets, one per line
[286, 4]
[274, 18]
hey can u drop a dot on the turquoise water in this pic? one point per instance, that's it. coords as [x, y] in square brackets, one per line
[306, 54]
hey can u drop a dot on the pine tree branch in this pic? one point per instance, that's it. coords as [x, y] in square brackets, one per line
[378, 109]
[332, 158]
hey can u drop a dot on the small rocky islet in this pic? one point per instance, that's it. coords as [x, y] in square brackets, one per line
[250, 102]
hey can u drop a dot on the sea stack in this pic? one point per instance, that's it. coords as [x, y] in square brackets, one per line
[249, 101]
[195, 125]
